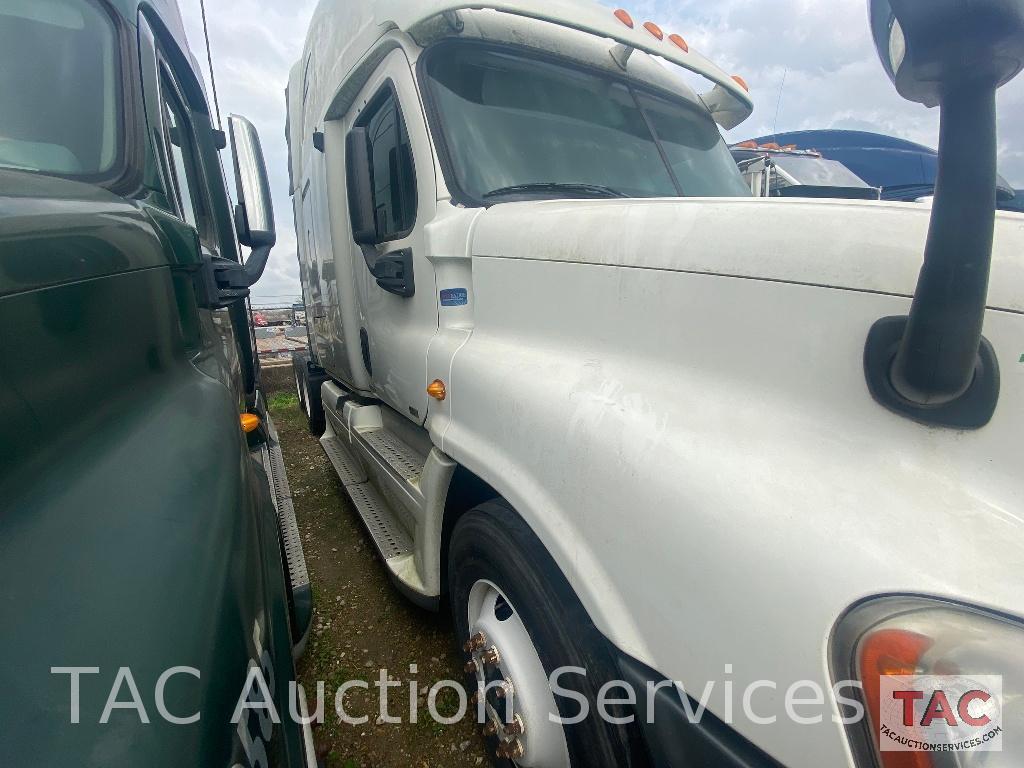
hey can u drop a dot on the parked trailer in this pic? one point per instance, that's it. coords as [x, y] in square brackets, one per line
[149, 554]
[626, 419]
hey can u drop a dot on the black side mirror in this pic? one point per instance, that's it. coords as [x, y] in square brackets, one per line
[934, 366]
[934, 48]
[254, 214]
[359, 178]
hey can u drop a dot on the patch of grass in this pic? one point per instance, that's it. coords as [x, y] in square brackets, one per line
[283, 400]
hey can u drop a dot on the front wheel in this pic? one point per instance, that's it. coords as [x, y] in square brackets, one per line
[520, 622]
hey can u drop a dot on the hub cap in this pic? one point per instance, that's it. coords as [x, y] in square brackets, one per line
[511, 683]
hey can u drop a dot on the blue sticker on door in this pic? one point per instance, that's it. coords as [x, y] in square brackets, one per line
[454, 297]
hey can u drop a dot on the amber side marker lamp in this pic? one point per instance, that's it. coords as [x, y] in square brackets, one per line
[250, 422]
[437, 390]
[891, 652]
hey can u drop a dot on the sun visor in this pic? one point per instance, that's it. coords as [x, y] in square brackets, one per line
[729, 101]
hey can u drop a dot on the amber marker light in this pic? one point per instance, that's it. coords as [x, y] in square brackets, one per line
[250, 422]
[679, 42]
[654, 29]
[624, 17]
[741, 83]
[891, 652]
[436, 390]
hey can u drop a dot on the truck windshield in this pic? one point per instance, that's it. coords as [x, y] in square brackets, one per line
[513, 125]
[59, 88]
[818, 172]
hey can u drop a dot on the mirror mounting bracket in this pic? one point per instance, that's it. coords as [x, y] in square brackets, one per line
[971, 410]
[221, 282]
[392, 271]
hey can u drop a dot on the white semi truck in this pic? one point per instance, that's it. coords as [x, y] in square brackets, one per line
[627, 420]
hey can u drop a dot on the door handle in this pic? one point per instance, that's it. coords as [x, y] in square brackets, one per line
[394, 272]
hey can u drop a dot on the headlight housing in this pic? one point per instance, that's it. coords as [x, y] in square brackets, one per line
[914, 637]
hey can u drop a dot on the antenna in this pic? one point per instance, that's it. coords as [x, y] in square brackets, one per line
[209, 60]
[778, 105]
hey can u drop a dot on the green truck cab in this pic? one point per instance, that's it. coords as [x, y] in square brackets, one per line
[153, 591]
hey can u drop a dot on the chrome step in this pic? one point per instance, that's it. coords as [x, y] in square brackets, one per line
[347, 467]
[402, 459]
[273, 462]
[388, 535]
[396, 481]
[300, 597]
[390, 538]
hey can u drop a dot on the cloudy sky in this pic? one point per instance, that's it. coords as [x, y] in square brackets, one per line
[821, 49]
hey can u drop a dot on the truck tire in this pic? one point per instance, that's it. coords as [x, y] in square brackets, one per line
[299, 363]
[308, 379]
[503, 583]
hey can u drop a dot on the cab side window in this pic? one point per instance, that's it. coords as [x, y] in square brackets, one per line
[391, 163]
[185, 190]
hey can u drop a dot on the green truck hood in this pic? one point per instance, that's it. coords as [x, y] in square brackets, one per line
[55, 231]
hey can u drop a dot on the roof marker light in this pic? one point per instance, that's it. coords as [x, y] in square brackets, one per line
[741, 82]
[679, 42]
[746, 145]
[654, 29]
[624, 17]
[771, 145]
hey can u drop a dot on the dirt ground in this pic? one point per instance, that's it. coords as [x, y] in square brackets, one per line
[362, 625]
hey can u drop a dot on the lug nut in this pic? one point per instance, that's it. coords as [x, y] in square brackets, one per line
[504, 689]
[490, 656]
[490, 729]
[511, 750]
[471, 667]
[516, 727]
[475, 642]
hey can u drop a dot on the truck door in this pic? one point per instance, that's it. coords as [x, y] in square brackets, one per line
[396, 329]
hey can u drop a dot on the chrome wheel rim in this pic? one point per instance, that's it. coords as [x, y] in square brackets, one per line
[514, 697]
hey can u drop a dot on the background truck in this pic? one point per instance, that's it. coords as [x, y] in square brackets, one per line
[904, 170]
[148, 549]
[625, 418]
[771, 170]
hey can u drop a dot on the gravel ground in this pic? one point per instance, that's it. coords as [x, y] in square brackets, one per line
[362, 625]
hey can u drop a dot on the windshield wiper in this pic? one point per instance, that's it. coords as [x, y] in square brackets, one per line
[588, 190]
